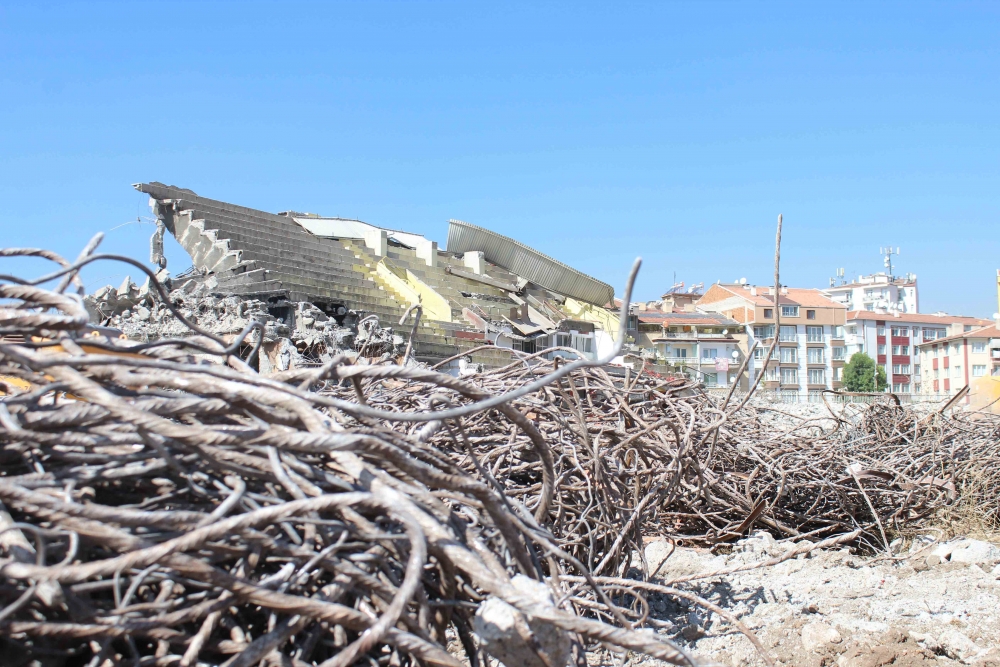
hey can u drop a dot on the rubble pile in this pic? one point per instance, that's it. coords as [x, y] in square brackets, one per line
[165, 503]
[304, 336]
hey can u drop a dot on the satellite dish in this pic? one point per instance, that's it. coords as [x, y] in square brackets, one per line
[743, 281]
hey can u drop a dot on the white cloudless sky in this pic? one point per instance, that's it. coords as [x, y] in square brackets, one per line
[593, 132]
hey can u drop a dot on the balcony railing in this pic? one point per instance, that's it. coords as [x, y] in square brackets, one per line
[690, 335]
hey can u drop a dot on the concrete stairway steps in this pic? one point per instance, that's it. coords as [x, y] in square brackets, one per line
[272, 247]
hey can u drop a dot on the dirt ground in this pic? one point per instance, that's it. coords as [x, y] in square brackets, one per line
[934, 604]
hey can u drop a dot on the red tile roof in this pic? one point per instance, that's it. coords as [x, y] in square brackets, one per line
[983, 332]
[685, 319]
[920, 318]
[796, 296]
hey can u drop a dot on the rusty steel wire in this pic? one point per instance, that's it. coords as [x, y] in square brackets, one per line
[162, 508]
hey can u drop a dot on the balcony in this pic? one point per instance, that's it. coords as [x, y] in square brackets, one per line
[690, 335]
[678, 360]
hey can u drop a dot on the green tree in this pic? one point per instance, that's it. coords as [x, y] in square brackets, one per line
[860, 374]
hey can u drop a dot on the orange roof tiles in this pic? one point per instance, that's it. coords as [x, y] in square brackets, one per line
[684, 319]
[796, 296]
[982, 332]
[920, 318]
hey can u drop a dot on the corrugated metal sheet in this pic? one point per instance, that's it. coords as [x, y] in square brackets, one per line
[528, 263]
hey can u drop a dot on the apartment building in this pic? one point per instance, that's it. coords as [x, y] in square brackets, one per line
[810, 353]
[701, 345]
[892, 339]
[953, 362]
[878, 293]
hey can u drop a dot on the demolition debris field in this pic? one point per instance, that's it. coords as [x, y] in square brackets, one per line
[164, 503]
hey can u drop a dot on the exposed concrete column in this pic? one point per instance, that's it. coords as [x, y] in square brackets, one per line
[427, 251]
[474, 260]
[377, 241]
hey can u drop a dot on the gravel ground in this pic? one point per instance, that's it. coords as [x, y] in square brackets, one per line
[937, 604]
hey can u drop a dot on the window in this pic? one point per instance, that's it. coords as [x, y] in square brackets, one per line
[816, 355]
[839, 353]
[901, 369]
[681, 352]
[789, 311]
[789, 396]
[787, 334]
[853, 330]
[898, 388]
[837, 374]
[763, 332]
[769, 313]
[758, 353]
[899, 331]
[978, 370]
[814, 334]
[789, 376]
[881, 349]
[979, 347]
[810, 314]
[525, 346]
[900, 350]
[709, 353]
[563, 340]
[817, 376]
[789, 355]
[583, 343]
[957, 372]
[838, 331]
[711, 379]
[933, 334]
[880, 331]
[772, 374]
[815, 396]
[967, 327]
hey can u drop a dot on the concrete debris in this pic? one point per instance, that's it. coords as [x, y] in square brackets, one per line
[295, 334]
[516, 640]
[835, 607]
[817, 635]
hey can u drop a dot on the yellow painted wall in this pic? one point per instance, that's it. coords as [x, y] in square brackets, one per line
[603, 318]
[406, 283]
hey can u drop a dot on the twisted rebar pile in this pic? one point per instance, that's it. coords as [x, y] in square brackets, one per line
[160, 509]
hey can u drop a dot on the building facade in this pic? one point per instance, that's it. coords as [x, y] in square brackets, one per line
[891, 340]
[810, 353]
[878, 293]
[953, 362]
[705, 346]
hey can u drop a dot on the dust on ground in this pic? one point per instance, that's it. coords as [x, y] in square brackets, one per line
[936, 604]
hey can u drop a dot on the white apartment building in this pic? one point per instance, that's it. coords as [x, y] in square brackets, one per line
[891, 340]
[878, 293]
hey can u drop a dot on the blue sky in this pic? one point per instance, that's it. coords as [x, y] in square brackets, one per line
[594, 132]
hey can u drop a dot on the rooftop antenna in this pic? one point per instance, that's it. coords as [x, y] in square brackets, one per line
[888, 251]
[839, 278]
